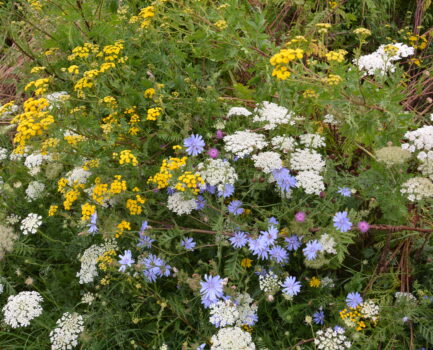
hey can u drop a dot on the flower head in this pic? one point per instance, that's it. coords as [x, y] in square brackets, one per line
[188, 243]
[363, 226]
[353, 299]
[126, 260]
[300, 216]
[342, 222]
[319, 317]
[213, 153]
[239, 239]
[211, 289]
[194, 144]
[311, 250]
[291, 286]
[344, 191]
[235, 207]
[293, 242]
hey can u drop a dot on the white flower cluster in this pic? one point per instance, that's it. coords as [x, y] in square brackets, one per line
[3, 153]
[13, 219]
[331, 339]
[273, 115]
[34, 190]
[405, 297]
[267, 161]
[420, 140]
[328, 244]
[381, 61]
[89, 270]
[242, 143]
[238, 111]
[223, 313]
[163, 347]
[217, 172]
[312, 140]
[426, 168]
[232, 338]
[2, 288]
[78, 176]
[247, 310]
[179, 205]
[284, 143]
[391, 155]
[34, 161]
[327, 282]
[417, 188]
[31, 223]
[309, 163]
[369, 309]
[88, 298]
[56, 97]
[269, 283]
[22, 308]
[330, 119]
[65, 335]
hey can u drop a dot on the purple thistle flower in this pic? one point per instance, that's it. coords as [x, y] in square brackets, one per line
[300, 216]
[278, 254]
[239, 239]
[291, 286]
[126, 260]
[188, 243]
[293, 242]
[213, 153]
[235, 207]
[219, 134]
[344, 191]
[363, 226]
[194, 145]
[228, 190]
[319, 317]
[342, 222]
[211, 289]
[311, 250]
[353, 299]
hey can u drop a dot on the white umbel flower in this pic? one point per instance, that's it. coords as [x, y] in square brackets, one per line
[426, 168]
[3, 153]
[420, 140]
[328, 244]
[34, 190]
[35, 160]
[284, 143]
[31, 223]
[238, 111]
[269, 283]
[369, 309]
[88, 298]
[217, 172]
[417, 188]
[179, 205]
[331, 339]
[242, 143]
[232, 338]
[310, 181]
[312, 140]
[68, 329]
[273, 115]
[22, 308]
[223, 313]
[78, 176]
[306, 159]
[267, 161]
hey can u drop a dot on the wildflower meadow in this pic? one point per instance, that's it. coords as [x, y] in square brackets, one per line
[216, 175]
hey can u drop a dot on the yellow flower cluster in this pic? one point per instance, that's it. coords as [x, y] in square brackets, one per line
[87, 210]
[37, 69]
[336, 55]
[49, 143]
[362, 32]
[126, 157]
[93, 163]
[61, 184]
[417, 41]
[53, 210]
[353, 317]
[189, 180]
[118, 185]
[221, 24]
[153, 113]
[35, 5]
[71, 196]
[100, 192]
[109, 100]
[41, 86]
[323, 27]
[83, 51]
[73, 69]
[106, 259]
[332, 79]
[112, 52]
[124, 225]
[245, 262]
[162, 178]
[149, 93]
[106, 66]
[7, 107]
[282, 58]
[144, 16]
[309, 93]
[133, 205]
[73, 140]
[32, 122]
[391, 50]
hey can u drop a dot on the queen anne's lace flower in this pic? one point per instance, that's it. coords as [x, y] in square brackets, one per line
[3, 153]
[7, 240]
[420, 140]
[267, 161]
[391, 155]
[68, 329]
[238, 111]
[369, 309]
[231, 338]
[22, 308]
[35, 190]
[35, 160]
[242, 143]
[417, 188]
[273, 115]
[269, 283]
[31, 223]
[284, 143]
[217, 172]
[331, 339]
[306, 159]
[78, 176]
[88, 260]
[179, 205]
[223, 313]
[328, 244]
[310, 181]
[312, 140]
[426, 168]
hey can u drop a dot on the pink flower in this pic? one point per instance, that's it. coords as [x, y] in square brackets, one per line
[213, 153]
[219, 134]
[300, 216]
[363, 226]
